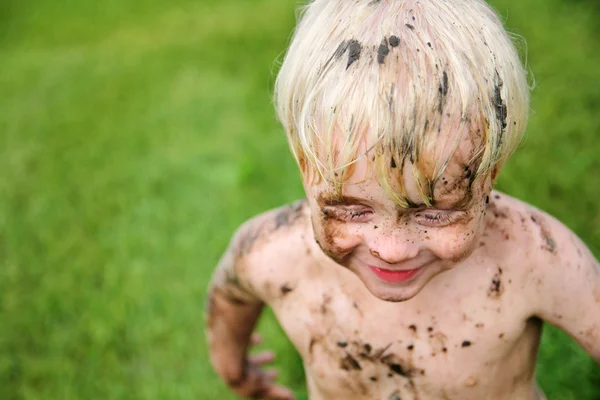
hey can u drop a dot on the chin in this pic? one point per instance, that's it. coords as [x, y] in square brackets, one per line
[397, 292]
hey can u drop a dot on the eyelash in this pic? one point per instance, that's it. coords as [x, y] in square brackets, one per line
[432, 220]
[345, 215]
[437, 220]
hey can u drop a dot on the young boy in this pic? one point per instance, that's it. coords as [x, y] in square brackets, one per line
[403, 275]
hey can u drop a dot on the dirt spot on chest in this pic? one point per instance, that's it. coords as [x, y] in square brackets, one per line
[496, 287]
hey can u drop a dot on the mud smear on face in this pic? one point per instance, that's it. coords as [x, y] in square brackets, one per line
[333, 229]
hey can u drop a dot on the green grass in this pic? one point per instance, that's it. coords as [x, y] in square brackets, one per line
[137, 135]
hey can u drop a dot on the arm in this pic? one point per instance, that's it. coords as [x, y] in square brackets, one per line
[231, 315]
[568, 278]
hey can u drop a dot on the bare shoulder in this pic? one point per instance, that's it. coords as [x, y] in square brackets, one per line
[269, 244]
[266, 231]
[530, 231]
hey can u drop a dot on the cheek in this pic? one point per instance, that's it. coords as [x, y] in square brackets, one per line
[456, 243]
[335, 238]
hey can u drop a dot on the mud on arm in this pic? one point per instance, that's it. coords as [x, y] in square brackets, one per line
[231, 314]
[568, 281]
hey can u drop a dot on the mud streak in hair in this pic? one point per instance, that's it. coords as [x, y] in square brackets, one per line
[383, 51]
[499, 107]
[443, 91]
[354, 49]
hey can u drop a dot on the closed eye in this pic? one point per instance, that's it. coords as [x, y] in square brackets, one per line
[347, 214]
[438, 218]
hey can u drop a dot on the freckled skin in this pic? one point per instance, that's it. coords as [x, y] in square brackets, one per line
[467, 327]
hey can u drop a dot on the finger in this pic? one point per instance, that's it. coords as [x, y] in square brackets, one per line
[255, 339]
[271, 374]
[262, 358]
[278, 392]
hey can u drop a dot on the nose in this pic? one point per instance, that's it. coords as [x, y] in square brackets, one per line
[394, 247]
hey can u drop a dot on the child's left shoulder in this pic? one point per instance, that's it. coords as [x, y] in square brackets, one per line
[539, 235]
[561, 276]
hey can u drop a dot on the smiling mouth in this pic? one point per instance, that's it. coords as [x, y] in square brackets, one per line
[394, 276]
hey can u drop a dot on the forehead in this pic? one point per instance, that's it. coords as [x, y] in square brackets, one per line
[458, 146]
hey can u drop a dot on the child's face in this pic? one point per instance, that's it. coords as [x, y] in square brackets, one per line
[396, 251]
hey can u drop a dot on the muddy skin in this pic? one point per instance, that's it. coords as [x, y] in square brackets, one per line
[247, 242]
[382, 51]
[333, 228]
[466, 343]
[285, 289]
[311, 345]
[210, 309]
[325, 304]
[286, 217]
[394, 363]
[496, 288]
[289, 215]
[240, 380]
[349, 363]
[228, 292]
[549, 242]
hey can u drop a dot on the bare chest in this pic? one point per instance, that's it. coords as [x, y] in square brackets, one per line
[443, 344]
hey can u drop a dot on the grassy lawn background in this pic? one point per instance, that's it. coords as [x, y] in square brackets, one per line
[137, 135]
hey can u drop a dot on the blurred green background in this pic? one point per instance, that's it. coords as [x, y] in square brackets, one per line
[138, 134]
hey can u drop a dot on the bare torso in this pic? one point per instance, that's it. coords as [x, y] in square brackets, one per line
[469, 334]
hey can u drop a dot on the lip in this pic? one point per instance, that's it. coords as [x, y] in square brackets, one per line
[394, 276]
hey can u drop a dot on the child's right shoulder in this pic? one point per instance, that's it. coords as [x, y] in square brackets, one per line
[272, 234]
[265, 249]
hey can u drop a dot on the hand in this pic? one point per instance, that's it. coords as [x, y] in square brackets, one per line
[257, 383]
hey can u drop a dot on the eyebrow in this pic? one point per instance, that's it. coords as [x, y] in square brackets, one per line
[333, 200]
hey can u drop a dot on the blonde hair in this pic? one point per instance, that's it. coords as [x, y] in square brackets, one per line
[386, 73]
